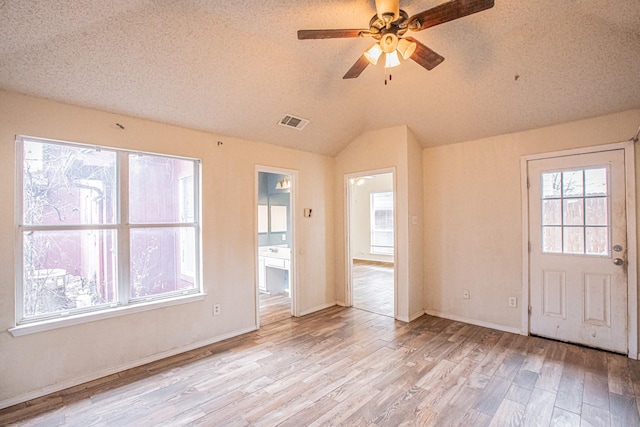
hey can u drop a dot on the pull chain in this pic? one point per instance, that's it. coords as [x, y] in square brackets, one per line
[385, 76]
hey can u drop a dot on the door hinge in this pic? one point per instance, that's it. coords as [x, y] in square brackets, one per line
[529, 246]
[528, 183]
[529, 309]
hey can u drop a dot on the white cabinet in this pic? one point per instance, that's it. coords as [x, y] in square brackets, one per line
[262, 279]
[273, 270]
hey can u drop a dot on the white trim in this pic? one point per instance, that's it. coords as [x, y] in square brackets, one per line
[632, 250]
[347, 241]
[632, 244]
[78, 319]
[318, 308]
[474, 322]
[293, 270]
[409, 319]
[120, 368]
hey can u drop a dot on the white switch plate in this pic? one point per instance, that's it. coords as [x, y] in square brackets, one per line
[513, 302]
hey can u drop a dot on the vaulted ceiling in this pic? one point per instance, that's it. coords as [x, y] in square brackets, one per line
[236, 68]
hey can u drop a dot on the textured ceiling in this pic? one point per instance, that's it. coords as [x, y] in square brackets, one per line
[235, 68]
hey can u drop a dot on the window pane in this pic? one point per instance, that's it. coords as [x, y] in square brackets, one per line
[162, 261]
[160, 189]
[596, 211]
[597, 240]
[552, 239]
[573, 240]
[66, 270]
[595, 181]
[66, 185]
[573, 213]
[552, 212]
[551, 183]
[572, 183]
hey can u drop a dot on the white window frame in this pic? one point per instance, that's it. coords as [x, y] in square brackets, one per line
[124, 305]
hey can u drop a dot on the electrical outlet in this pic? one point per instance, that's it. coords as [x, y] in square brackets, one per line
[216, 309]
[465, 294]
[513, 302]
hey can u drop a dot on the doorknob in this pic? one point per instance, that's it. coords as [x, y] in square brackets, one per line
[618, 261]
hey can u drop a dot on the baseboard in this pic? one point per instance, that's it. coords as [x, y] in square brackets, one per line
[106, 372]
[474, 322]
[318, 308]
[372, 262]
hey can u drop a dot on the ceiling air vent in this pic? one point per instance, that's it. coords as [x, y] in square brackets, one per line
[293, 122]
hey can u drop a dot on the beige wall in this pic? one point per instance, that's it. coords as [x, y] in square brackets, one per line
[48, 360]
[415, 224]
[473, 218]
[375, 150]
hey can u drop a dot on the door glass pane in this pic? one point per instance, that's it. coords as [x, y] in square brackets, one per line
[595, 181]
[552, 212]
[551, 183]
[597, 241]
[67, 185]
[574, 240]
[160, 189]
[67, 270]
[596, 211]
[573, 214]
[552, 239]
[572, 183]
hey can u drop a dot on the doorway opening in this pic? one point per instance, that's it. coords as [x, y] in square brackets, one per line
[371, 242]
[274, 288]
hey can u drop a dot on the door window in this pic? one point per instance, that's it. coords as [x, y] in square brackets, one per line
[575, 211]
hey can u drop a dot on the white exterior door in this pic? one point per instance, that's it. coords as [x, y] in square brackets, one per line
[577, 219]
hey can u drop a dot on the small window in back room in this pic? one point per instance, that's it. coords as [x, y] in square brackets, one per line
[382, 223]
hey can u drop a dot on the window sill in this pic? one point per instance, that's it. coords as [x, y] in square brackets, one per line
[47, 325]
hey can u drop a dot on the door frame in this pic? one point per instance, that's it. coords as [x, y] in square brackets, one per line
[632, 267]
[293, 271]
[347, 240]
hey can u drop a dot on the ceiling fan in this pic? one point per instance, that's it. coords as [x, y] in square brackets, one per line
[389, 26]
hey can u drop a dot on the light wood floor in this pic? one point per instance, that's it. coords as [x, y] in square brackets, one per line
[274, 308]
[373, 288]
[350, 367]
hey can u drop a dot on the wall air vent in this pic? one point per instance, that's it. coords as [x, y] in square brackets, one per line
[293, 122]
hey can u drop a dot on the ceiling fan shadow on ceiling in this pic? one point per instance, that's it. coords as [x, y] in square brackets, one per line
[389, 26]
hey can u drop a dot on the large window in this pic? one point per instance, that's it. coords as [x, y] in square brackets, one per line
[382, 223]
[101, 228]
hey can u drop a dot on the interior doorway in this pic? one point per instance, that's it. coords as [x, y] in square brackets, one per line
[275, 284]
[371, 242]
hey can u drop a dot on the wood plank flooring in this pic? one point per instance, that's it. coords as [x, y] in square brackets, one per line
[351, 367]
[274, 307]
[373, 287]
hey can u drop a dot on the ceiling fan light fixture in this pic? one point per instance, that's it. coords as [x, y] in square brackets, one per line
[392, 59]
[406, 48]
[373, 53]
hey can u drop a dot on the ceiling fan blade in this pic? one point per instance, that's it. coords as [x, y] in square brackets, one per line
[425, 56]
[328, 34]
[446, 12]
[357, 68]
